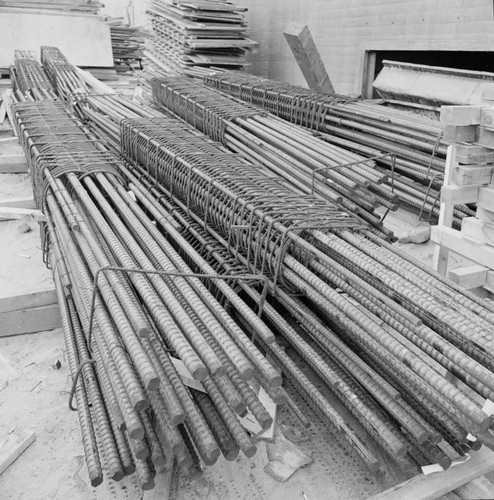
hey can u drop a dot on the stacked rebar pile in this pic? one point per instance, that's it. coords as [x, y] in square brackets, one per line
[308, 164]
[125, 329]
[381, 331]
[366, 128]
[190, 37]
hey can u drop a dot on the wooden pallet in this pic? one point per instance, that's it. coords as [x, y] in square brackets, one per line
[468, 178]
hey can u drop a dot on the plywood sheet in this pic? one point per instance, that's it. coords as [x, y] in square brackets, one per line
[85, 41]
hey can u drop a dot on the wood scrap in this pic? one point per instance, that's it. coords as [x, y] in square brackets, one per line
[13, 446]
[18, 202]
[13, 164]
[15, 213]
[31, 320]
[28, 300]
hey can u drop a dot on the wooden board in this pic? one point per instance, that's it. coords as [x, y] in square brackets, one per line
[469, 276]
[30, 320]
[439, 483]
[28, 300]
[308, 58]
[13, 164]
[14, 213]
[13, 446]
[21, 202]
[480, 487]
[85, 41]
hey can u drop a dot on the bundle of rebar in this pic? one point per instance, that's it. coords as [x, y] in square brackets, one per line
[384, 333]
[307, 163]
[191, 37]
[131, 308]
[364, 127]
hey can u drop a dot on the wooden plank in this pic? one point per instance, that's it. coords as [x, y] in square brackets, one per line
[486, 198]
[20, 202]
[162, 486]
[6, 101]
[13, 213]
[460, 115]
[452, 240]
[468, 154]
[485, 215]
[475, 229]
[13, 164]
[458, 195]
[28, 31]
[308, 58]
[479, 487]
[36, 319]
[486, 137]
[467, 175]
[469, 276]
[487, 117]
[28, 300]
[12, 447]
[439, 483]
[464, 133]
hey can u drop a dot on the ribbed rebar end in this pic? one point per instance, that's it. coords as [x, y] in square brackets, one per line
[231, 454]
[144, 332]
[178, 419]
[129, 469]
[266, 423]
[476, 445]
[200, 373]
[118, 475]
[250, 451]
[275, 381]
[136, 433]
[212, 457]
[153, 385]
[148, 485]
[96, 481]
[159, 461]
[422, 437]
[267, 338]
[248, 373]
[241, 410]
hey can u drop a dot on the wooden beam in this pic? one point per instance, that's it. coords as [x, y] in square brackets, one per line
[479, 487]
[20, 202]
[460, 115]
[31, 320]
[28, 300]
[308, 58]
[13, 164]
[12, 213]
[439, 483]
[12, 447]
[469, 276]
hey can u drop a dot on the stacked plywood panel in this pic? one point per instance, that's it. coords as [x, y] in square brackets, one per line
[190, 35]
[127, 44]
[83, 6]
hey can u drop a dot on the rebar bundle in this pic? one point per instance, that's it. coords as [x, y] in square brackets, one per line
[366, 128]
[309, 165]
[381, 331]
[130, 307]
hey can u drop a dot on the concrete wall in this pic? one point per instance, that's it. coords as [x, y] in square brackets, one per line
[344, 29]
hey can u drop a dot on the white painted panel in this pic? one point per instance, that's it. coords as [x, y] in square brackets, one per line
[84, 40]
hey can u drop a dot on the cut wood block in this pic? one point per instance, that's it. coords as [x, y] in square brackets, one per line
[484, 215]
[487, 117]
[452, 240]
[308, 58]
[12, 213]
[466, 175]
[486, 198]
[486, 137]
[28, 300]
[458, 195]
[487, 95]
[460, 115]
[469, 276]
[464, 133]
[3, 112]
[24, 202]
[13, 446]
[436, 484]
[473, 154]
[489, 283]
[8, 109]
[475, 229]
[13, 164]
[31, 320]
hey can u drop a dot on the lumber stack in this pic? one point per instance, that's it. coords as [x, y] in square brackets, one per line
[192, 36]
[127, 44]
